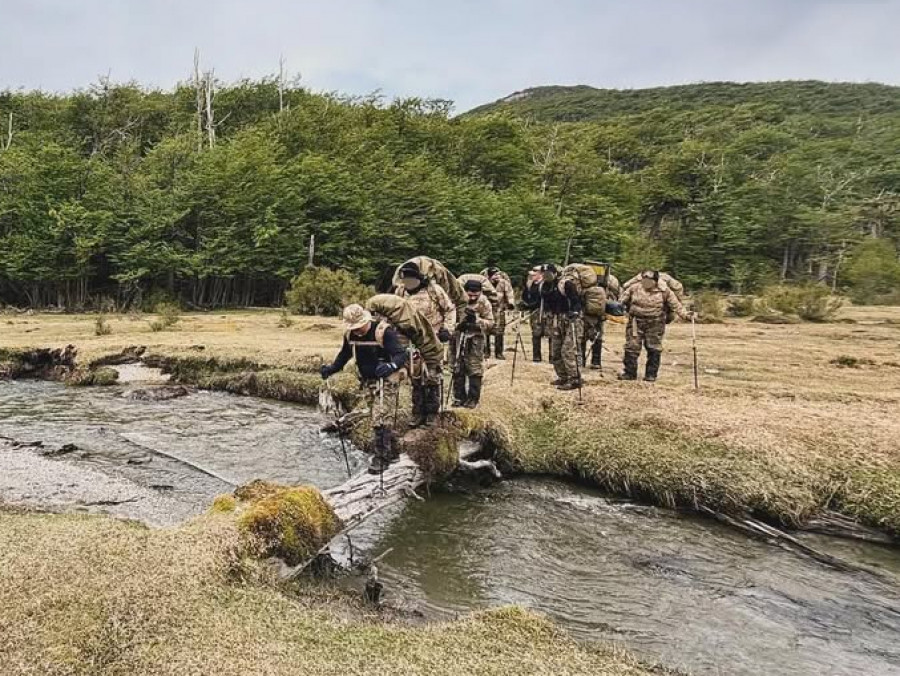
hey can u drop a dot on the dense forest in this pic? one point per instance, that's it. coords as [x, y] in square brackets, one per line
[209, 193]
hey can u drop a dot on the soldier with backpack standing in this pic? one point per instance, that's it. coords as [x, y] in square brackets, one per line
[567, 304]
[467, 346]
[506, 300]
[650, 305]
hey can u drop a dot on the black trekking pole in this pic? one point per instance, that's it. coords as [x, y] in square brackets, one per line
[694, 348]
[340, 432]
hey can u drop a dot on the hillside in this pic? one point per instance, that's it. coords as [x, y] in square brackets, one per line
[583, 103]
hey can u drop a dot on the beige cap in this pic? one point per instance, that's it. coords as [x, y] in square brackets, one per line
[356, 316]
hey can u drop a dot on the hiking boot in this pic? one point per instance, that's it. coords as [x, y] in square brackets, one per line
[474, 391]
[651, 370]
[596, 357]
[536, 350]
[498, 347]
[378, 465]
[458, 403]
[418, 406]
[630, 365]
[557, 382]
[569, 385]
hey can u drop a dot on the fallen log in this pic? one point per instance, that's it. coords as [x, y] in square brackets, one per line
[364, 495]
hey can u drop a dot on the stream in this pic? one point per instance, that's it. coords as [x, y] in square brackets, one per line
[685, 592]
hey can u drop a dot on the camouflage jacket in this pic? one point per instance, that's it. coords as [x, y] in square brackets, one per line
[664, 277]
[434, 304]
[652, 304]
[506, 295]
[484, 317]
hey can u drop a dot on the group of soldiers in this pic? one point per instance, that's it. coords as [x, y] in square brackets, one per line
[433, 319]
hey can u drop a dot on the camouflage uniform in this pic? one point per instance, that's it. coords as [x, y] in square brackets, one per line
[647, 311]
[504, 300]
[541, 320]
[593, 334]
[469, 338]
[383, 409]
[433, 303]
[568, 334]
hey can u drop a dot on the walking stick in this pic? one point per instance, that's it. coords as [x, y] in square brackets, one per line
[340, 432]
[694, 348]
[512, 377]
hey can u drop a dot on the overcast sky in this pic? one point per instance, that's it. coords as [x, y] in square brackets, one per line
[471, 51]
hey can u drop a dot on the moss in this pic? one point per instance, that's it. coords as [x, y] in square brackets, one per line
[292, 524]
[257, 489]
[84, 377]
[435, 450]
[224, 504]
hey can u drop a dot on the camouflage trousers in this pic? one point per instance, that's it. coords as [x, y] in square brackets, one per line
[646, 333]
[472, 354]
[499, 322]
[593, 328]
[382, 401]
[541, 324]
[565, 347]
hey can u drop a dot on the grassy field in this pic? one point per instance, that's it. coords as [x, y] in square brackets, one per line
[96, 597]
[785, 424]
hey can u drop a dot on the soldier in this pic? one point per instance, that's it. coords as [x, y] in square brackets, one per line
[532, 301]
[647, 304]
[379, 356]
[506, 300]
[594, 321]
[467, 346]
[435, 305]
[563, 302]
[674, 285]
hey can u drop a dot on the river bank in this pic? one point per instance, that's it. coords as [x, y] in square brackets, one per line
[790, 422]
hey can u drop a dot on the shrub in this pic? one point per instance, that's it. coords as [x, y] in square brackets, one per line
[811, 302]
[846, 361]
[741, 306]
[101, 326]
[874, 273]
[167, 316]
[708, 305]
[284, 320]
[320, 291]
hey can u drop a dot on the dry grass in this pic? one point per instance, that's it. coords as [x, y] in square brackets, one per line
[776, 428]
[93, 596]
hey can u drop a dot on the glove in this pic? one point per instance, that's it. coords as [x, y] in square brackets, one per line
[444, 335]
[693, 316]
[470, 316]
[385, 370]
[327, 371]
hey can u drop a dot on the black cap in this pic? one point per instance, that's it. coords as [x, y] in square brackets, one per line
[410, 269]
[472, 285]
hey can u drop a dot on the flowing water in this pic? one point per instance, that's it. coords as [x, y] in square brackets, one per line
[685, 592]
[236, 439]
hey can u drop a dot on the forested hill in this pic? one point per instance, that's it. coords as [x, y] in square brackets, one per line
[580, 103]
[210, 191]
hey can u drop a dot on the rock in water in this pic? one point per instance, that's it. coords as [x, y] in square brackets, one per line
[159, 393]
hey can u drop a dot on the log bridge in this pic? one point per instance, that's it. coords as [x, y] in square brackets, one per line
[364, 495]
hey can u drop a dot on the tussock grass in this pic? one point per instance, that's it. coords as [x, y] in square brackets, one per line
[92, 596]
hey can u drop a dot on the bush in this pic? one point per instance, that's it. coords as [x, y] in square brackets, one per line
[708, 305]
[874, 273]
[284, 320]
[167, 316]
[101, 326]
[742, 306]
[811, 302]
[320, 291]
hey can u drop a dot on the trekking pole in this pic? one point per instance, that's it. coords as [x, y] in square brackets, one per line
[694, 349]
[384, 458]
[340, 432]
[512, 377]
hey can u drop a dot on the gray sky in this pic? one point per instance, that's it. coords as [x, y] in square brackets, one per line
[471, 51]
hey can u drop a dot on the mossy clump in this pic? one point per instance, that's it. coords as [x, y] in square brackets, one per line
[257, 490]
[224, 504]
[435, 450]
[82, 377]
[292, 524]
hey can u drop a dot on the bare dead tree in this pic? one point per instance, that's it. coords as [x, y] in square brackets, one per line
[198, 92]
[9, 132]
[281, 84]
[210, 114]
[543, 159]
